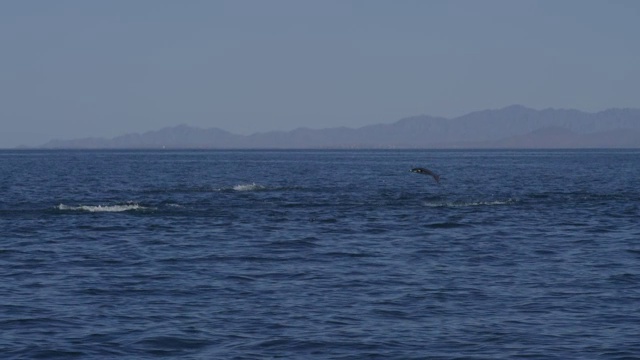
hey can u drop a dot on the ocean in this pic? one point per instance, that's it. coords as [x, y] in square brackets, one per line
[320, 254]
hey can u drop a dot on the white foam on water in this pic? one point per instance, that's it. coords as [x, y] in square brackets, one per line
[248, 187]
[101, 208]
[467, 204]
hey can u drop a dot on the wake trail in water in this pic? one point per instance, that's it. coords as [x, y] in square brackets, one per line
[509, 201]
[102, 208]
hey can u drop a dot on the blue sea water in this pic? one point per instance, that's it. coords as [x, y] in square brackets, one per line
[319, 255]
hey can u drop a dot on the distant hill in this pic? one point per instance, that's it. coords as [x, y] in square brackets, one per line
[511, 127]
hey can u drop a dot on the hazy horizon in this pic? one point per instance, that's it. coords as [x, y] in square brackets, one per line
[320, 127]
[73, 69]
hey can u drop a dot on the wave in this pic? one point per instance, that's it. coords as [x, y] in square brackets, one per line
[446, 225]
[469, 203]
[248, 187]
[102, 208]
[229, 188]
[212, 189]
[583, 195]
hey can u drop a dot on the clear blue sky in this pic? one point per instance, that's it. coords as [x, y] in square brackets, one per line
[76, 68]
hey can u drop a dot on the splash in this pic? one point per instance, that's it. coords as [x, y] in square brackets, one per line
[248, 187]
[101, 208]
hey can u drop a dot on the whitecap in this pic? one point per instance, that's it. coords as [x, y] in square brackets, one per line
[101, 208]
[248, 187]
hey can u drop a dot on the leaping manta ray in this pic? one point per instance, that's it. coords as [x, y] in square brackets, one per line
[424, 171]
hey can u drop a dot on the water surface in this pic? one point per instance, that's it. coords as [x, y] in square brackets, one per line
[319, 254]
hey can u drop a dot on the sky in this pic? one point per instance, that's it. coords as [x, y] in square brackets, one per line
[83, 68]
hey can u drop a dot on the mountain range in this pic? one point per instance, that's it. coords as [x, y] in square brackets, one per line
[514, 126]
